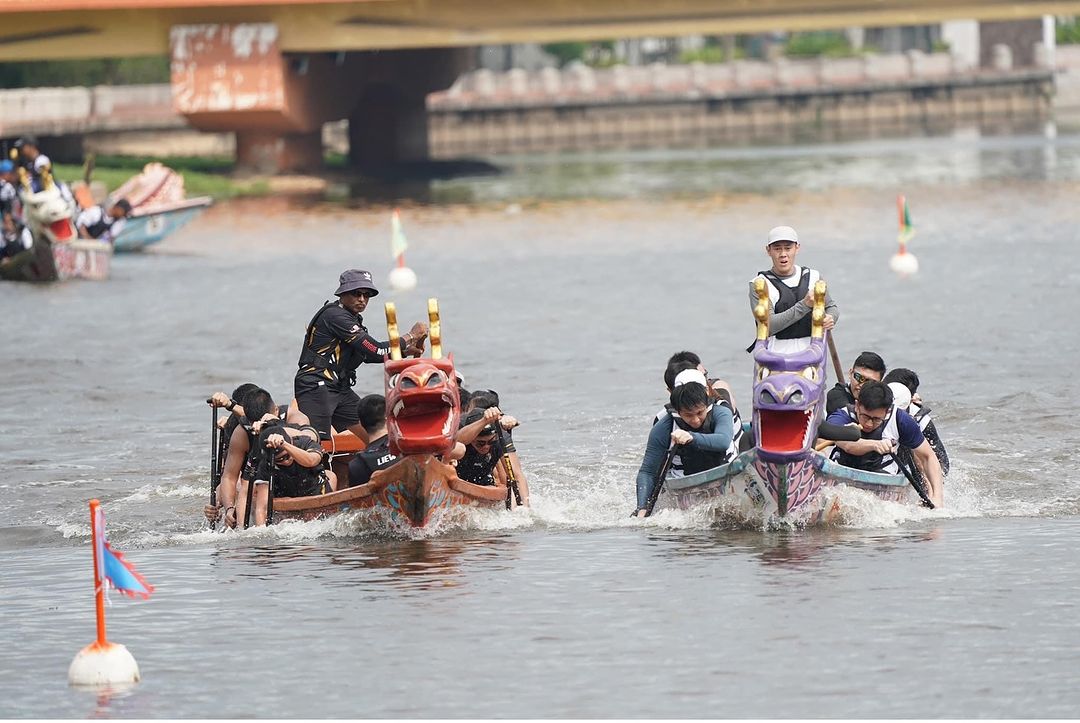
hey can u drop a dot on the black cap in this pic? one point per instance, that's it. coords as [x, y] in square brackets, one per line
[26, 141]
[354, 279]
[475, 416]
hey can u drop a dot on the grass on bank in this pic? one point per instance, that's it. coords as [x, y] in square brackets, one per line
[202, 176]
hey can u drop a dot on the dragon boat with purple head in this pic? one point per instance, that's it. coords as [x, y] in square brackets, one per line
[422, 415]
[783, 475]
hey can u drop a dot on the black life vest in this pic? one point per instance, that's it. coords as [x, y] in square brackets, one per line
[691, 460]
[13, 242]
[480, 468]
[871, 461]
[789, 297]
[99, 227]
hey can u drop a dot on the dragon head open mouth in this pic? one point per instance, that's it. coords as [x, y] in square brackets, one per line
[48, 210]
[788, 401]
[422, 405]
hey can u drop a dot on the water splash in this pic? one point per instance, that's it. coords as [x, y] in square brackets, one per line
[565, 496]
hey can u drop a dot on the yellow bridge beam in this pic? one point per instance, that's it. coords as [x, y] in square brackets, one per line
[54, 29]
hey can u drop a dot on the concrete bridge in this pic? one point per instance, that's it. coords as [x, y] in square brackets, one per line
[274, 71]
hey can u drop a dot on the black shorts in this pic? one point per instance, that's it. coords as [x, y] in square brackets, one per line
[326, 404]
[302, 483]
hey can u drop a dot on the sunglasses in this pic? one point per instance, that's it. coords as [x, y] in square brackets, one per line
[360, 292]
[860, 378]
[483, 443]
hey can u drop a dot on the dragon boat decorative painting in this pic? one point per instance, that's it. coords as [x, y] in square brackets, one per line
[783, 475]
[422, 415]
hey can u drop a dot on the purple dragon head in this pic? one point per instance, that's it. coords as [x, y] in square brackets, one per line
[789, 393]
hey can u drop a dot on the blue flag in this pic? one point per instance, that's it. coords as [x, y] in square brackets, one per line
[118, 572]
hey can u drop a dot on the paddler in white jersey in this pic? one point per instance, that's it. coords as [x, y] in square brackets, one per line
[791, 290]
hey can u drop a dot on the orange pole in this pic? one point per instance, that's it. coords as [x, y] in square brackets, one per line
[99, 587]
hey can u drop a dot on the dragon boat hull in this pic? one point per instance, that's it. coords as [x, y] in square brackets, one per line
[53, 261]
[797, 490]
[417, 491]
[151, 225]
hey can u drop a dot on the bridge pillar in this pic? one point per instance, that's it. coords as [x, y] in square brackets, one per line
[235, 78]
[269, 152]
[389, 123]
[388, 127]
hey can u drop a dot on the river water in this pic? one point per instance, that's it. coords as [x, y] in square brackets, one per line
[565, 284]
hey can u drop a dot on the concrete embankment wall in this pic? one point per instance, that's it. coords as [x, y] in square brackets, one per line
[697, 105]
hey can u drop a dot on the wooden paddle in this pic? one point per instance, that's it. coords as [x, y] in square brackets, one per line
[911, 478]
[835, 358]
[215, 458]
[511, 479]
[658, 483]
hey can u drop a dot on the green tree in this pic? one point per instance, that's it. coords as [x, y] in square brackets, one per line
[68, 73]
[1068, 31]
[565, 52]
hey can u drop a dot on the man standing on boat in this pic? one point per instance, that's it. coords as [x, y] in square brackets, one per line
[791, 290]
[36, 163]
[335, 344]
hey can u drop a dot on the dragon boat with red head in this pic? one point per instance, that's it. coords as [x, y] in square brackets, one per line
[422, 417]
[783, 475]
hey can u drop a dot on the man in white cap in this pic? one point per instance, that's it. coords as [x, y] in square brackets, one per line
[791, 290]
[335, 344]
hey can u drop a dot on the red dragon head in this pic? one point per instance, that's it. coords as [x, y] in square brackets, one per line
[422, 405]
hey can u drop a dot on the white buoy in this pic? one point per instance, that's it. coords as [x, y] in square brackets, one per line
[904, 263]
[402, 278]
[99, 666]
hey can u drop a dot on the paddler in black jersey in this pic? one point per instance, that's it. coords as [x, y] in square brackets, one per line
[791, 290]
[483, 448]
[377, 454]
[335, 344]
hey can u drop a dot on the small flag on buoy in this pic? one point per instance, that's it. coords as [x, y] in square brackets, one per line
[903, 261]
[102, 663]
[402, 278]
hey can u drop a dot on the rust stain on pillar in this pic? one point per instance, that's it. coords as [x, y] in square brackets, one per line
[228, 69]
